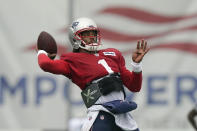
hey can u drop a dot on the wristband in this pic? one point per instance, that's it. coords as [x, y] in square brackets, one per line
[41, 52]
[137, 67]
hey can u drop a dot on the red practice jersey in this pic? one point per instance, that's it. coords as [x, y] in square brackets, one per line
[82, 68]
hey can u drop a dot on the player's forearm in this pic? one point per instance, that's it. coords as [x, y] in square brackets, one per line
[52, 66]
[134, 79]
[134, 82]
[45, 63]
[136, 85]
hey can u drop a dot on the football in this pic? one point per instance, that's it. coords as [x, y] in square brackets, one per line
[47, 43]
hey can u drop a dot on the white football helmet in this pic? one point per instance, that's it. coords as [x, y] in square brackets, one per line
[81, 25]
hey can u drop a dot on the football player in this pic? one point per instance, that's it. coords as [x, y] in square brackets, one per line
[100, 74]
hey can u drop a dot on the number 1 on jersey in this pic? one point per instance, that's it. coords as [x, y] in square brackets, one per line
[106, 66]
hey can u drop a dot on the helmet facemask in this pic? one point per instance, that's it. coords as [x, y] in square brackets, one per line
[89, 38]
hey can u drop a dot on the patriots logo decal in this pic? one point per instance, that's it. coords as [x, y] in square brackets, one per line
[74, 25]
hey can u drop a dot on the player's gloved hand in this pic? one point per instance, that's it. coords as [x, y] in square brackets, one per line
[51, 56]
[140, 51]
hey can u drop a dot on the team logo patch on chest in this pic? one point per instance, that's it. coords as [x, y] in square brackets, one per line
[109, 53]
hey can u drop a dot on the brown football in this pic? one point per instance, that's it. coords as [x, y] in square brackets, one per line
[47, 42]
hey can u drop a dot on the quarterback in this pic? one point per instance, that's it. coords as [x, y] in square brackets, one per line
[101, 75]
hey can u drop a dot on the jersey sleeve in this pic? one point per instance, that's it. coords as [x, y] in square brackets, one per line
[132, 80]
[53, 66]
